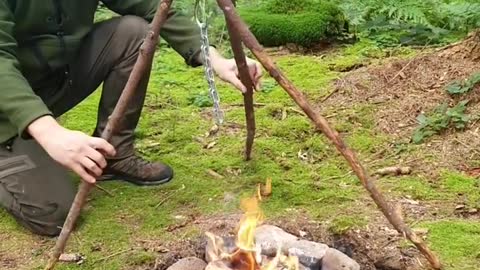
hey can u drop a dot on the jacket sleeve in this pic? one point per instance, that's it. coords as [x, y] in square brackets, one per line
[18, 102]
[179, 30]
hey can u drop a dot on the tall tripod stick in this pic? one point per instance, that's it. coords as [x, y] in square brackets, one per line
[141, 69]
[321, 124]
[246, 79]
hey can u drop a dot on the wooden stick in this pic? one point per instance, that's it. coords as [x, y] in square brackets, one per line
[246, 79]
[321, 123]
[141, 69]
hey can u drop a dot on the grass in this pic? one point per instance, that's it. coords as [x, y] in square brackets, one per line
[318, 184]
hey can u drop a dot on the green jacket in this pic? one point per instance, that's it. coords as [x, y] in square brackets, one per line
[38, 37]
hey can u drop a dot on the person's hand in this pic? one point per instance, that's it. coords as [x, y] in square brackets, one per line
[226, 69]
[73, 149]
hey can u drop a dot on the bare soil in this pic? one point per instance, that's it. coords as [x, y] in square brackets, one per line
[402, 89]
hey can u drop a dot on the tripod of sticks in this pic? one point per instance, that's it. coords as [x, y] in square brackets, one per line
[239, 35]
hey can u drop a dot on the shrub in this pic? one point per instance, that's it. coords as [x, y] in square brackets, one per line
[304, 28]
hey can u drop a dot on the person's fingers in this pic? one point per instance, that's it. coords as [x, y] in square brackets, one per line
[96, 157]
[259, 75]
[235, 81]
[103, 145]
[255, 73]
[80, 171]
[91, 166]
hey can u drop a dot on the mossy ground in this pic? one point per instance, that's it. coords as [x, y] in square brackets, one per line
[318, 183]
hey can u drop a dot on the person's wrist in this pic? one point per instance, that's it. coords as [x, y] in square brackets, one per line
[43, 127]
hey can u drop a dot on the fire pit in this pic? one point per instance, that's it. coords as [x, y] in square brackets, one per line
[264, 247]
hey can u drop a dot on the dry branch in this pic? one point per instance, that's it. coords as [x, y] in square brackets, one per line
[393, 171]
[141, 69]
[246, 79]
[321, 123]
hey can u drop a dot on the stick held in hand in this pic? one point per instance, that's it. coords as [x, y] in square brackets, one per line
[141, 68]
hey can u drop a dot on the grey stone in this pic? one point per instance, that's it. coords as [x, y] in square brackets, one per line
[217, 246]
[303, 267]
[336, 260]
[309, 253]
[217, 265]
[190, 263]
[269, 238]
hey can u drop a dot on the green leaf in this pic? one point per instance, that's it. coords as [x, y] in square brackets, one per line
[456, 88]
[418, 136]
[422, 119]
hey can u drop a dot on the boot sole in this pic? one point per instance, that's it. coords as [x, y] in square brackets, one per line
[111, 177]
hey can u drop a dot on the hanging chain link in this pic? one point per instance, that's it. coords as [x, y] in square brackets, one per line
[201, 18]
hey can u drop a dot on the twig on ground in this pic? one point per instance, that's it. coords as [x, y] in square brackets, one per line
[257, 105]
[169, 196]
[407, 65]
[321, 124]
[337, 176]
[214, 174]
[467, 146]
[104, 190]
[330, 95]
[393, 171]
[141, 69]
[113, 255]
[295, 110]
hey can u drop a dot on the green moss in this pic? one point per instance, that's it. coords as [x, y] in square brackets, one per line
[464, 187]
[305, 28]
[342, 224]
[416, 187]
[457, 242]
[142, 258]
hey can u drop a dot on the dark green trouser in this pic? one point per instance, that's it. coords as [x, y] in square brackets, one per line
[34, 188]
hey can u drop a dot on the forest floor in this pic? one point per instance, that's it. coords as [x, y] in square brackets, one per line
[372, 96]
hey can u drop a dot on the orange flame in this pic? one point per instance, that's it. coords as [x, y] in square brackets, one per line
[251, 218]
[244, 258]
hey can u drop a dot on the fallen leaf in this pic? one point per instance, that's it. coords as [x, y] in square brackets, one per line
[235, 172]
[284, 114]
[210, 145]
[267, 190]
[214, 130]
[302, 156]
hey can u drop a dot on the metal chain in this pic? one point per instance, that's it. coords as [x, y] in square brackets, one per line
[201, 18]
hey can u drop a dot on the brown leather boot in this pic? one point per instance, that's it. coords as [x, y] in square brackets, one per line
[137, 170]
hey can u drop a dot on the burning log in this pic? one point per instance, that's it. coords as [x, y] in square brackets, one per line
[321, 124]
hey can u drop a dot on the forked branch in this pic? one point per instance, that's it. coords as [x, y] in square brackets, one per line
[321, 123]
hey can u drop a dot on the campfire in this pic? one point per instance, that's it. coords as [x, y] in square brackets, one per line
[257, 246]
[244, 253]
